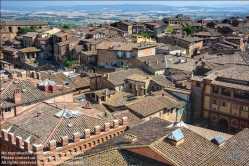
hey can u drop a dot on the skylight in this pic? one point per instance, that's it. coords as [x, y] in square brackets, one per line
[66, 82]
[46, 82]
[81, 99]
[70, 125]
[219, 140]
[176, 135]
[68, 113]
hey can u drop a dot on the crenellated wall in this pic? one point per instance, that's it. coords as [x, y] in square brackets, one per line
[13, 147]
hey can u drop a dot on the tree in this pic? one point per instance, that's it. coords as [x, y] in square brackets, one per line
[68, 63]
[32, 27]
[189, 29]
[65, 26]
[169, 30]
[24, 30]
[145, 35]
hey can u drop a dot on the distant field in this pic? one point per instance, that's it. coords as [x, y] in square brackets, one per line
[70, 22]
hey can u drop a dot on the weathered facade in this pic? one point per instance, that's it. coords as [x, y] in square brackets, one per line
[225, 99]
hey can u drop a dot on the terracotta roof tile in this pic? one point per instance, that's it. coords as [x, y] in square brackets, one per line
[151, 104]
[233, 152]
[118, 77]
[193, 151]
[25, 22]
[114, 157]
[146, 133]
[133, 120]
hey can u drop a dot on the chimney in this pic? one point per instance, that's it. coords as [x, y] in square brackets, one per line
[130, 138]
[14, 75]
[17, 96]
[38, 114]
[221, 39]
[88, 105]
[136, 90]
[203, 64]
[24, 74]
[34, 74]
[105, 95]
[39, 76]
[5, 77]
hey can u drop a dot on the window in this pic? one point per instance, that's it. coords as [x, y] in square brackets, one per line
[215, 89]
[226, 91]
[233, 130]
[224, 104]
[130, 86]
[215, 102]
[102, 98]
[27, 104]
[198, 84]
[241, 94]
[7, 109]
[170, 111]
[243, 108]
[10, 29]
[93, 95]
[235, 106]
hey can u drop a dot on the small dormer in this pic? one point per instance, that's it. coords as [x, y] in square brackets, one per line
[176, 137]
[218, 140]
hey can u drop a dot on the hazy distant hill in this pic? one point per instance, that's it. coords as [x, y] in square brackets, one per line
[128, 7]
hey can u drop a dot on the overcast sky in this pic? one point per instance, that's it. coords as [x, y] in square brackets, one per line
[87, 2]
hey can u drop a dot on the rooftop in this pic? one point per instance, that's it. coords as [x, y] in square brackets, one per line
[151, 104]
[31, 92]
[49, 127]
[157, 62]
[30, 34]
[30, 49]
[114, 157]
[118, 77]
[25, 22]
[123, 46]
